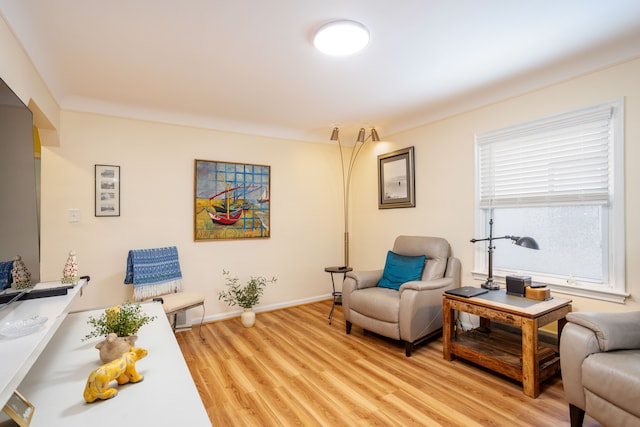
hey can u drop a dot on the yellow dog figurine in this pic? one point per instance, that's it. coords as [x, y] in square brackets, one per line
[123, 370]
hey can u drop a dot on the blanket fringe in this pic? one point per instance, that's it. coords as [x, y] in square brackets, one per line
[143, 292]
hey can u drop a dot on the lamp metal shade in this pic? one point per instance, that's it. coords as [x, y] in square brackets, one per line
[527, 242]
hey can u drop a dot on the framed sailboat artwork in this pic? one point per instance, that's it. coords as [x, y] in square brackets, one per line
[231, 201]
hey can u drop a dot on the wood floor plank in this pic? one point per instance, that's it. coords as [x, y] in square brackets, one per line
[293, 368]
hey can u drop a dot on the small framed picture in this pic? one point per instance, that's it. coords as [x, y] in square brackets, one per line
[19, 409]
[107, 190]
[396, 179]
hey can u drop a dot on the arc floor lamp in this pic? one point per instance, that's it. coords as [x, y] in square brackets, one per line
[346, 175]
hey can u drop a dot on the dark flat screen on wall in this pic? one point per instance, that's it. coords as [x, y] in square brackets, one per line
[19, 233]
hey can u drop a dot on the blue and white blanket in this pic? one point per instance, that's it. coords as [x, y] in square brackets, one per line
[153, 272]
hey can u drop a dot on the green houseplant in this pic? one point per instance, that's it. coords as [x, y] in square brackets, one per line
[123, 320]
[246, 296]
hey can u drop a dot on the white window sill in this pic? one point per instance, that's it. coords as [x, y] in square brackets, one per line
[582, 290]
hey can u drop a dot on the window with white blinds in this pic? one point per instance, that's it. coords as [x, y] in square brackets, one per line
[559, 179]
[563, 159]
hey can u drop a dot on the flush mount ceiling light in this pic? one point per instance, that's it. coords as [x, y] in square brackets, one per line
[341, 38]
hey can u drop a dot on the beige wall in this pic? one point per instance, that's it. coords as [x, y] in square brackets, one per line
[444, 154]
[157, 188]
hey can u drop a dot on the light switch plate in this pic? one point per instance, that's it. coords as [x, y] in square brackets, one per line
[73, 215]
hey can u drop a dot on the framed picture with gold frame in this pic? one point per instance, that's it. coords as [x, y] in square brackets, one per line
[396, 179]
[19, 409]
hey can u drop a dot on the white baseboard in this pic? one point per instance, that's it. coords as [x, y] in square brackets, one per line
[238, 312]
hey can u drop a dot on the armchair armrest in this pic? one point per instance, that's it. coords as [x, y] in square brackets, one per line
[419, 285]
[353, 281]
[614, 331]
[364, 279]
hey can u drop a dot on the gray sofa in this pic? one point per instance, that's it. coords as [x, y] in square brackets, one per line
[600, 361]
[412, 313]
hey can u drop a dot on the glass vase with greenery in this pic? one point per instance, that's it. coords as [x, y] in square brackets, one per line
[245, 296]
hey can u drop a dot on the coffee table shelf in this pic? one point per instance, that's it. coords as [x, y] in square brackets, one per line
[501, 351]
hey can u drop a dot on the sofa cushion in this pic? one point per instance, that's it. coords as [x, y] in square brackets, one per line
[400, 269]
[615, 377]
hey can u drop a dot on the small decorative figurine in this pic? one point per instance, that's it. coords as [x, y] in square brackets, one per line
[19, 273]
[70, 271]
[114, 346]
[123, 370]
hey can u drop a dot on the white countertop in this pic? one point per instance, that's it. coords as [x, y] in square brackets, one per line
[166, 397]
[17, 355]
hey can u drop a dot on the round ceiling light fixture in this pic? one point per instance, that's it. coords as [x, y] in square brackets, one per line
[341, 38]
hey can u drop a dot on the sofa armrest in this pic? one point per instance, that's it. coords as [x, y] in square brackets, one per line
[614, 331]
[576, 344]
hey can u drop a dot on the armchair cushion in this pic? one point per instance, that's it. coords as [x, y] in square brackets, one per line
[400, 269]
[382, 304]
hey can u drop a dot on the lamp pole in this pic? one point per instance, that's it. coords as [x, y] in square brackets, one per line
[525, 241]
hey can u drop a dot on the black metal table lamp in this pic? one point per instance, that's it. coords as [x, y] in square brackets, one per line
[526, 242]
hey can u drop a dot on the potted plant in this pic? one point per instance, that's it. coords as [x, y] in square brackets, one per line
[119, 326]
[246, 296]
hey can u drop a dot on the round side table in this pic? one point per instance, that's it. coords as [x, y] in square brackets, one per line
[337, 295]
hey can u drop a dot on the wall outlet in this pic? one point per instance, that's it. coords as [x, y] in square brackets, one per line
[73, 215]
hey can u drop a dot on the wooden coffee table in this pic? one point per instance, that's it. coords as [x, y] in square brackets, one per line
[513, 350]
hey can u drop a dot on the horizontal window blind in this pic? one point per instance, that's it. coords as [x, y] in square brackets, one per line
[564, 159]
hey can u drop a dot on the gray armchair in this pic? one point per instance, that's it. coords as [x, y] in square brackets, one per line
[600, 362]
[414, 312]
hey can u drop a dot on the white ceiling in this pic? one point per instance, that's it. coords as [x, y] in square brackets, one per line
[250, 66]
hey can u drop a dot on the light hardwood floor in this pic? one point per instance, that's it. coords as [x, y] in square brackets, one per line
[294, 369]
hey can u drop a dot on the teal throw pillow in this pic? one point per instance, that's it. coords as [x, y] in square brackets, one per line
[400, 269]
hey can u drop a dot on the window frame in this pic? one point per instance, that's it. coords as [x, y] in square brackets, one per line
[614, 288]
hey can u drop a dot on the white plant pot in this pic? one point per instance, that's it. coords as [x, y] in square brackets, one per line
[248, 317]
